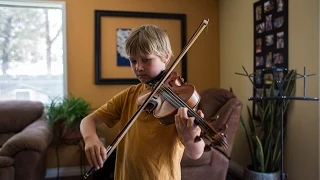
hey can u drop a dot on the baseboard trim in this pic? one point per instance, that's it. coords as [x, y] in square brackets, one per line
[65, 171]
[236, 169]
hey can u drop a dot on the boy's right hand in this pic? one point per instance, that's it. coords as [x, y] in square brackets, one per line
[95, 152]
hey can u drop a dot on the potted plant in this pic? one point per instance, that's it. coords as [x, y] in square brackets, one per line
[264, 134]
[65, 114]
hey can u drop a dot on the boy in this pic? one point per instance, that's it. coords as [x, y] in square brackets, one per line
[149, 151]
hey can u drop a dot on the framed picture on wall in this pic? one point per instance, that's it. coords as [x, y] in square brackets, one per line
[270, 53]
[112, 29]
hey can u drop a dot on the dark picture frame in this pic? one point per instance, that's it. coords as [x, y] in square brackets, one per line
[98, 17]
[270, 19]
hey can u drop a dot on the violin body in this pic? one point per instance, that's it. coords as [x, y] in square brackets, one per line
[164, 103]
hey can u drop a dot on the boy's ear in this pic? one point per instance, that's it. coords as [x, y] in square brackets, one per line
[167, 58]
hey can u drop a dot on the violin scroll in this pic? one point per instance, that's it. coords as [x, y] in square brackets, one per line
[219, 140]
[216, 139]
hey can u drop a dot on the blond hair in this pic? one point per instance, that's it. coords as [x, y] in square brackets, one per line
[148, 39]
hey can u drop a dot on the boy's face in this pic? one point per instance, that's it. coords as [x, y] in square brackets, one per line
[147, 67]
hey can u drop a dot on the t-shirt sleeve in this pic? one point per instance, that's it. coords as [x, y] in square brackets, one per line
[110, 112]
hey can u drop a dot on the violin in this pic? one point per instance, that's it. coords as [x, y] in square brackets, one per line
[165, 96]
[171, 96]
[174, 94]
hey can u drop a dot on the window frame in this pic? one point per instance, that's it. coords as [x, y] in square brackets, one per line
[48, 4]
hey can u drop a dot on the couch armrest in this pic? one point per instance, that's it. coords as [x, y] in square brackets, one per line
[37, 136]
[216, 169]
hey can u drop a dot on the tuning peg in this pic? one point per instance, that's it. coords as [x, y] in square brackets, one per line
[197, 139]
[223, 127]
[214, 118]
[224, 135]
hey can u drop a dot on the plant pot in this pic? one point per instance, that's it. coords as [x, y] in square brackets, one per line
[65, 133]
[71, 135]
[253, 175]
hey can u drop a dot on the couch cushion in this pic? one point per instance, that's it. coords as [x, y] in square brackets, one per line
[36, 137]
[212, 100]
[4, 137]
[6, 161]
[205, 159]
[16, 115]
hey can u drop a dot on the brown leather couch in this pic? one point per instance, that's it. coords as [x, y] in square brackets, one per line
[24, 138]
[224, 109]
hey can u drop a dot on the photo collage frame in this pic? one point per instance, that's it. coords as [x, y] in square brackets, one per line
[270, 45]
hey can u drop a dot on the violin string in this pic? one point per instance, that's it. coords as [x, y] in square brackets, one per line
[173, 99]
[176, 101]
[180, 103]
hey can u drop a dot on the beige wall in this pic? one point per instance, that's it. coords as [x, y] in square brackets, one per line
[203, 56]
[236, 49]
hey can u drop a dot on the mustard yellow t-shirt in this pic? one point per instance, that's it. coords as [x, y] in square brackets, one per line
[149, 151]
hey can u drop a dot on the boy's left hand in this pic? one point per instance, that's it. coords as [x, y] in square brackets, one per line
[185, 125]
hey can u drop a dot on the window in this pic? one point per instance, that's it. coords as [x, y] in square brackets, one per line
[23, 94]
[32, 50]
